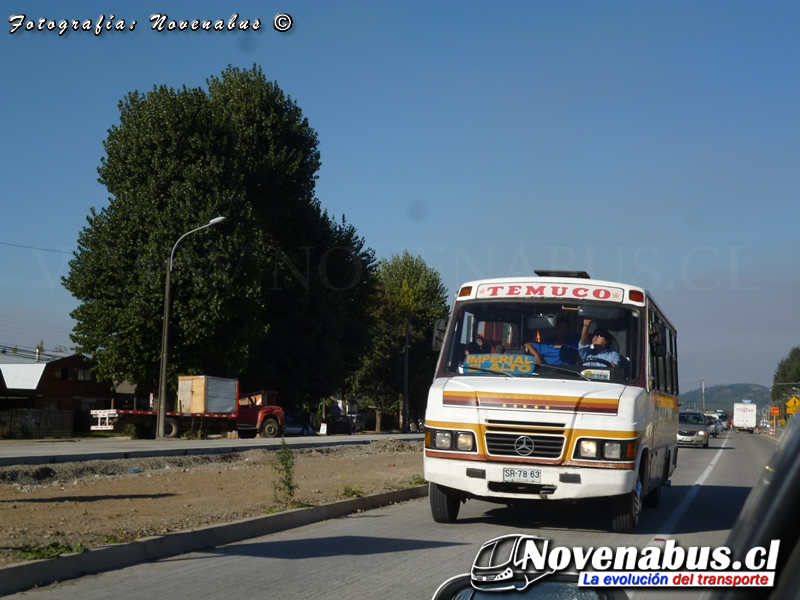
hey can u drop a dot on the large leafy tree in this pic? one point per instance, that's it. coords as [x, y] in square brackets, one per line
[411, 298]
[244, 296]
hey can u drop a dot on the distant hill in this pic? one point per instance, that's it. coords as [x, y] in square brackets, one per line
[722, 397]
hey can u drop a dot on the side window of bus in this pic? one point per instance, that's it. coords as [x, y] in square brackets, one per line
[664, 369]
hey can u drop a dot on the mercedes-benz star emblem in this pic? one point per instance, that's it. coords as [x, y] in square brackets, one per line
[523, 445]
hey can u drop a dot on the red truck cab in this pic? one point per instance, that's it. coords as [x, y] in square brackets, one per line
[256, 415]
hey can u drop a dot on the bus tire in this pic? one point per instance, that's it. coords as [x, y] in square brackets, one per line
[171, 429]
[625, 510]
[653, 498]
[444, 505]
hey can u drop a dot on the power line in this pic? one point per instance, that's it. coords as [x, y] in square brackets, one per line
[35, 248]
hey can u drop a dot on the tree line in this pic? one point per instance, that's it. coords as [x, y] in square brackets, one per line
[281, 295]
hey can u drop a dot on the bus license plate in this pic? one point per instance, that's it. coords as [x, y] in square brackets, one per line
[522, 475]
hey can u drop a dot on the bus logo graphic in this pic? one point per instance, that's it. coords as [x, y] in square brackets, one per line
[500, 564]
[523, 445]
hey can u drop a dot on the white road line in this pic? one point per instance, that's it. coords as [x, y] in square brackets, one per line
[671, 523]
[676, 516]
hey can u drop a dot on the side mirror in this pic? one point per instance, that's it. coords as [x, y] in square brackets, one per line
[439, 328]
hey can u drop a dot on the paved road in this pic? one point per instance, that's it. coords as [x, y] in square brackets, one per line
[398, 552]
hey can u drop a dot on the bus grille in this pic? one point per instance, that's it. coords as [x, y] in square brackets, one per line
[544, 446]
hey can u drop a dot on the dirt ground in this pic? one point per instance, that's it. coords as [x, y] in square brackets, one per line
[98, 502]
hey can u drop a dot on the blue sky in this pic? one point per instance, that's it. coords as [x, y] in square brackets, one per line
[652, 143]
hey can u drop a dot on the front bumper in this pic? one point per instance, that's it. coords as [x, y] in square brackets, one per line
[692, 440]
[485, 480]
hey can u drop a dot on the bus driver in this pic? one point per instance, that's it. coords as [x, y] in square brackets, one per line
[599, 347]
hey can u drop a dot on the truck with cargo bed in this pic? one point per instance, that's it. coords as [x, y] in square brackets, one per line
[206, 404]
[744, 416]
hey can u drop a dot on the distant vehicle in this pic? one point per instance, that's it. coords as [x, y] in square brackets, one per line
[714, 426]
[357, 422]
[255, 416]
[724, 418]
[692, 428]
[744, 417]
[339, 424]
[207, 404]
[296, 426]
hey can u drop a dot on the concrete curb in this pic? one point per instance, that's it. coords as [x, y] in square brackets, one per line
[23, 576]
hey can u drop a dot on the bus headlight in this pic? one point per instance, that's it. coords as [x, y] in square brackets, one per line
[612, 450]
[443, 440]
[446, 439]
[588, 449]
[465, 442]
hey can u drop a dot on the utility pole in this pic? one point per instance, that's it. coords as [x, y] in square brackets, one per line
[703, 395]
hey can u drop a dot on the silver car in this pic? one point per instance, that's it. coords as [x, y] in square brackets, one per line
[692, 428]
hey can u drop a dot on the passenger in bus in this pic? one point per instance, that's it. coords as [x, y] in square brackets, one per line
[597, 347]
[561, 350]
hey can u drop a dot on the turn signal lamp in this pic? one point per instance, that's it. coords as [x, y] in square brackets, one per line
[630, 451]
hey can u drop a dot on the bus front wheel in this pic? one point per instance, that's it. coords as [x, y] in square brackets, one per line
[444, 505]
[625, 510]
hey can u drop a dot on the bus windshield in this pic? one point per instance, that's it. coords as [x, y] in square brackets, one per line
[543, 339]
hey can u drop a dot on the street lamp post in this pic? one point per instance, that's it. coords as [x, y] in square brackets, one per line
[404, 413]
[162, 382]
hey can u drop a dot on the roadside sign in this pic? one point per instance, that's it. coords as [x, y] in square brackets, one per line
[775, 411]
[792, 404]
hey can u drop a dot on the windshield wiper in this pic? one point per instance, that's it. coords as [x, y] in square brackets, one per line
[492, 371]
